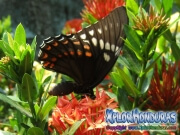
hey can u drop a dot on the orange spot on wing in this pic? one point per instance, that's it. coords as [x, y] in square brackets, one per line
[52, 65]
[59, 55]
[88, 54]
[65, 42]
[86, 47]
[65, 53]
[46, 64]
[44, 56]
[48, 47]
[71, 52]
[55, 43]
[54, 59]
[79, 52]
[76, 42]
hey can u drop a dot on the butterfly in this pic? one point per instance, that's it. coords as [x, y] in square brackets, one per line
[86, 56]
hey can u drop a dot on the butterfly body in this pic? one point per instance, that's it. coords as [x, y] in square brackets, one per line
[86, 56]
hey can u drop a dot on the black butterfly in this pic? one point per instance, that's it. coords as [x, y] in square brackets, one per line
[86, 56]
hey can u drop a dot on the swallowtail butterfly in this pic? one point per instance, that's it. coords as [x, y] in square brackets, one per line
[86, 56]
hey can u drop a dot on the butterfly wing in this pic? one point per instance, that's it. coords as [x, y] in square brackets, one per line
[88, 55]
[112, 41]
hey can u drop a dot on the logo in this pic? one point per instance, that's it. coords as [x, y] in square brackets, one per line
[140, 120]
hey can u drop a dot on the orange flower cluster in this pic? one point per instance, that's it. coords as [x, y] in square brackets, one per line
[68, 112]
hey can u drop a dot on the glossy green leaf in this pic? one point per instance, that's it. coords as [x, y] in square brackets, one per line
[73, 128]
[28, 88]
[146, 81]
[132, 6]
[116, 79]
[47, 107]
[13, 74]
[128, 83]
[151, 65]
[17, 50]
[112, 95]
[33, 48]
[10, 41]
[149, 42]
[157, 4]
[25, 63]
[15, 105]
[133, 42]
[124, 102]
[20, 35]
[131, 16]
[145, 3]
[174, 47]
[130, 60]
[167, 7]
[35, 131]
[5, 46]
[6, 133]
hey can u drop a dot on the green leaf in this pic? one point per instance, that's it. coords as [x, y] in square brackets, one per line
[73, 128]
[133, 41]
[157, 4]
[6, 133]
[33, 48]
[121, 79]
[25, 63]
[35, 131]
[167, 7]
[130, 60]
[10, 40]
[15, 105]
[5, 46]
[14, 76]
[131, 16]
[145, 3]
[174, 47]
[28, 88]
[124, 102]
[20, 35]
[146, 81]
[17, 50]
[132, 6]
[128, 83]
[148, 43]
[112, 95]
[150, 66]
[49, 104]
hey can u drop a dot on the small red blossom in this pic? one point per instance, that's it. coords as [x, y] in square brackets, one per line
[100, 8]
[72, 26]
[67, 112]
[165, 90]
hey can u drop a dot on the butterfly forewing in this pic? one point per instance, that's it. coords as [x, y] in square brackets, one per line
[88, 55]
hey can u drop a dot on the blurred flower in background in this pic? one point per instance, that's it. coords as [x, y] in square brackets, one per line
[97, 9]
[69, 111]
[72, 26]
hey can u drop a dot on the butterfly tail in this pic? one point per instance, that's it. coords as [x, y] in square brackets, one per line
[63, 88]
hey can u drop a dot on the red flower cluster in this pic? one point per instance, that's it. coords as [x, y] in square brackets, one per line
[165, 93]
[68, 112]
[72, 26]
[100, 8]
